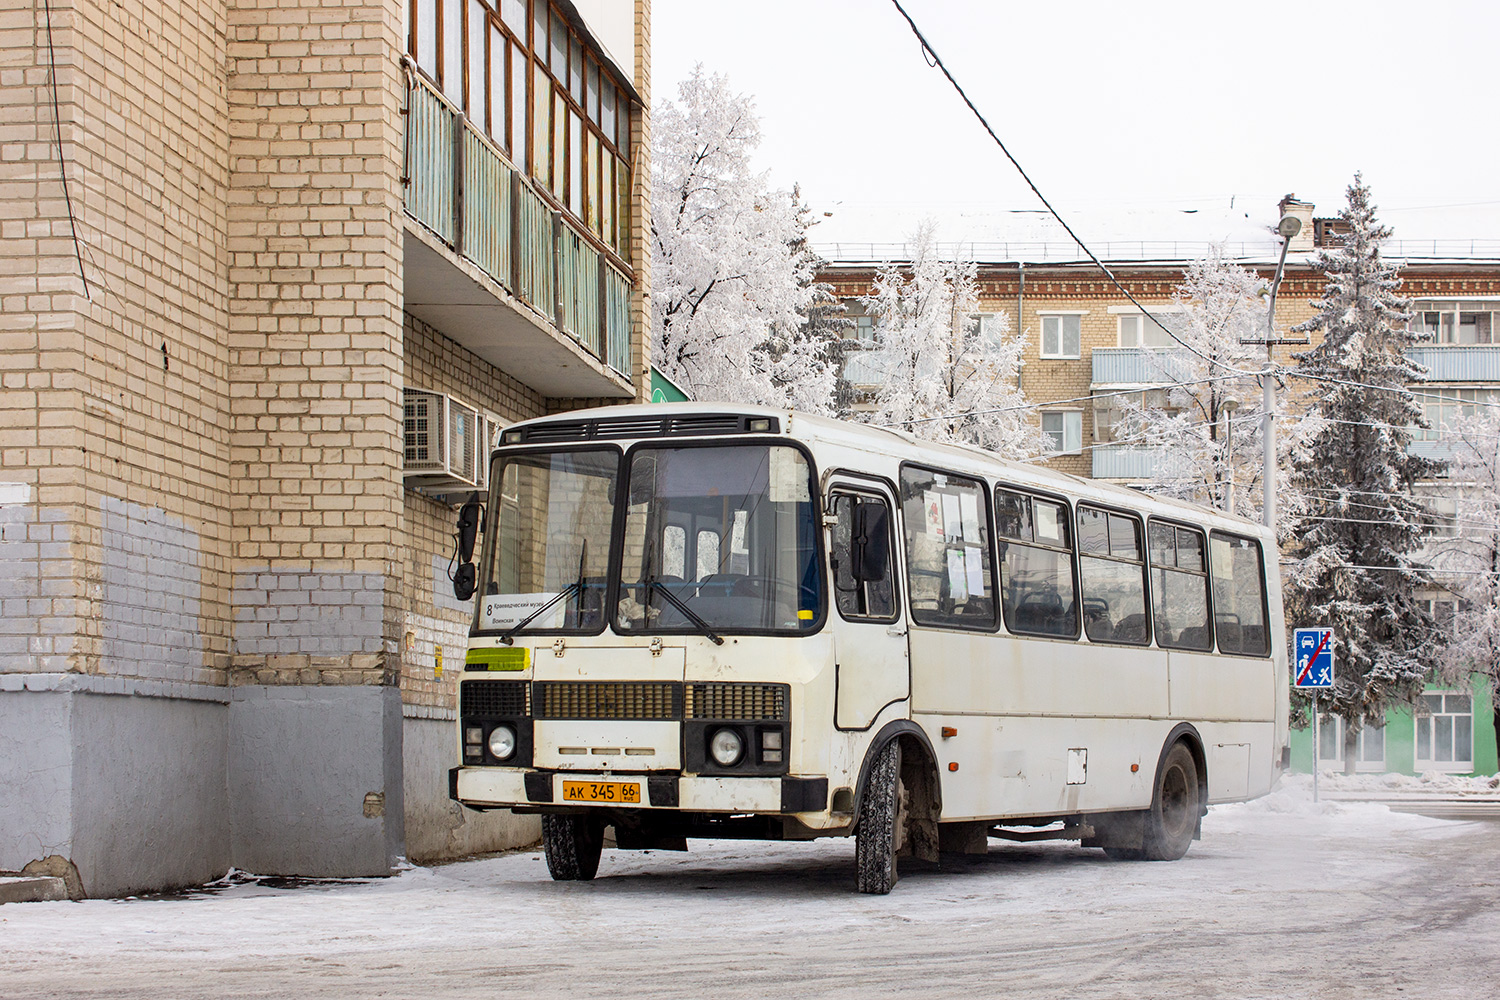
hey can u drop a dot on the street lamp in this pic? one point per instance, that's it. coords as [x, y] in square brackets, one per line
[1227, 408]
[1288, 227]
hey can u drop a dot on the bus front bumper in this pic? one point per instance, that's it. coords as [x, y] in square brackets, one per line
[503, 787]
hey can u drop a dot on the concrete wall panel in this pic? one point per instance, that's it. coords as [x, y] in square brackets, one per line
[36, 779]
[436, 826]
[314, 779]
[150, 806]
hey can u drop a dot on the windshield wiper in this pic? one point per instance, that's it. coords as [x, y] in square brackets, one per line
[687, 612]
[576, 587]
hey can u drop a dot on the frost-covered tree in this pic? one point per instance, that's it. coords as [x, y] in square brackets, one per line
[731, 270]
[1205, 425]
[1359, 529]
[1468, 560]
[947, 377]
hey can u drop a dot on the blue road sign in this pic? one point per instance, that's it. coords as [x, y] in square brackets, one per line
[1313, 648]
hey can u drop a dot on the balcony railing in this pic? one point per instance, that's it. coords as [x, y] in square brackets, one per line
[464, 190]
[1139, 365]
[1123, 461]
[1459, 362]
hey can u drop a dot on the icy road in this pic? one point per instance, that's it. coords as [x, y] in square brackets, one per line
[1281, 898]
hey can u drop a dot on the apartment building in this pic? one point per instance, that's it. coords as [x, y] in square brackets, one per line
[271, 274]
[1088, 346]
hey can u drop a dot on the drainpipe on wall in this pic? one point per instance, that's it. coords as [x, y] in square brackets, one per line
[1020, 312]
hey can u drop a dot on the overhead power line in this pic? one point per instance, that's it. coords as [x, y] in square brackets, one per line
[930, 54]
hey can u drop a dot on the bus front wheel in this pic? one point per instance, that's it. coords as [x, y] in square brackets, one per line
[1175, 808]
[875, 834]
[572, 845]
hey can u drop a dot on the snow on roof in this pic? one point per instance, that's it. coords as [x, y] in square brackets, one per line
[1156, 234]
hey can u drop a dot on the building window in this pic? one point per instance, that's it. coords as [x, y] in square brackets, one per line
[1444, 406]
[989, 328]
[1137, 330]
[533, 86]
[1369, 747]
[1445, 732]
[1442, 510]
[1113, 413]
[1060, 335]
[1457, 323]
[1064, 430]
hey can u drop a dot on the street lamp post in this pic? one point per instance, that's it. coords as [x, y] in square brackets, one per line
[1288, 227]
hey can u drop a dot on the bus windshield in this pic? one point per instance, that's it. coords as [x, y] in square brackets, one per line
[550, 554]
[719, 538]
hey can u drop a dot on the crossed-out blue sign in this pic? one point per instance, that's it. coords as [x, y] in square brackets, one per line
[1314, 657]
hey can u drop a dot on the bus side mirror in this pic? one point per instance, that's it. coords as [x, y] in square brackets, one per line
[871, 549]
[468, 527]
[465, 579]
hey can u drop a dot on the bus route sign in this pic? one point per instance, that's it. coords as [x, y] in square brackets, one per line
[1314, 657]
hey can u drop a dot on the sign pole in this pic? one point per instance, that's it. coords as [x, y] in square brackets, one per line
[1316, 743]
[1313, 660]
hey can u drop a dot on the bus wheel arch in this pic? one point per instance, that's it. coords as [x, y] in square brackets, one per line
[1179, 800]
[898, 801]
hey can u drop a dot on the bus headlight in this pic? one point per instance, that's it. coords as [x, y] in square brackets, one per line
[502, 742]
[726, 746]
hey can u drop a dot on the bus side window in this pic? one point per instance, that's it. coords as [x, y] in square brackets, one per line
[1037, 590]
[873, 598]
[1179, 588]
[1239, 588]
[1112, 564]
[947, 527]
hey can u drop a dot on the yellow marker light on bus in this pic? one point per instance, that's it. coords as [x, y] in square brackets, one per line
[498, 658]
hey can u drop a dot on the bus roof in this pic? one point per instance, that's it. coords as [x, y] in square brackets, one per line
[903, 446]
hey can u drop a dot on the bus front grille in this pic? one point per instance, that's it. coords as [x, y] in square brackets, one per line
[737, 701]
[495, 699]
[608, 700]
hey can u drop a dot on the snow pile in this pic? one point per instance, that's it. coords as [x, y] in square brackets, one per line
[1290, 809]
[1429, 783]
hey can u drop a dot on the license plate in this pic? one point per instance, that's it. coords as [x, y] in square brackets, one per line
[602, 791]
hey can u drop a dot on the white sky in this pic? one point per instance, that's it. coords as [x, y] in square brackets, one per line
[1150, 107]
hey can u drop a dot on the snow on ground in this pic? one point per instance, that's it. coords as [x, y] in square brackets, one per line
[1283, 897]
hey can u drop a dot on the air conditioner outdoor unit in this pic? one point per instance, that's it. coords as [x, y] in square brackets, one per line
[446, 443]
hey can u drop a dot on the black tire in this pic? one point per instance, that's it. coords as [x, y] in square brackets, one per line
[875, 832]
[1175, 807]
[572, 845]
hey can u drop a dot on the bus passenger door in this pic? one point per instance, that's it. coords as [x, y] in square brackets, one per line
[867, 621]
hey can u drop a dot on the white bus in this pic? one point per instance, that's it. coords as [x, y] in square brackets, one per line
[720, 621]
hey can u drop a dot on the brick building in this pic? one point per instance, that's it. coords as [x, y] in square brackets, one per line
[244, 247]
[1086, 343]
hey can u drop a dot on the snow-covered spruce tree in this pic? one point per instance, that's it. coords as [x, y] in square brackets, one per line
[1359, 531]
[1467, 562]
[945, 378]
[731, 271]
[1208, 433]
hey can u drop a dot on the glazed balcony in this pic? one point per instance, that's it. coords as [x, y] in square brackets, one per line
[494, 266]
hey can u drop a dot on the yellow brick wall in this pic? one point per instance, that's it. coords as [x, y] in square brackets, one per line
[315, 270]
[432, 617]
[115, 393]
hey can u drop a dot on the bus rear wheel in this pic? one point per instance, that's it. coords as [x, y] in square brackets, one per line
[875, 833]
[573, 845]
[1175, 808]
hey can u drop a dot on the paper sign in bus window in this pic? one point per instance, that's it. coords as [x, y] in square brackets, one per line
[958, 576]
[974, 568]
[953, 526]
[934, 507]
[506, 610]
[969, 508]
